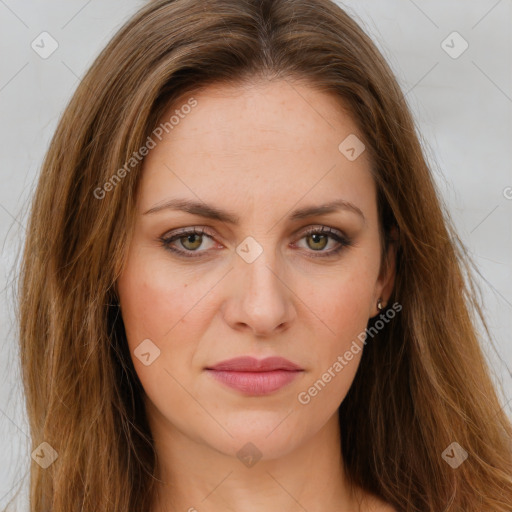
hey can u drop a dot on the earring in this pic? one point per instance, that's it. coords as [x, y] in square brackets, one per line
[379, 304]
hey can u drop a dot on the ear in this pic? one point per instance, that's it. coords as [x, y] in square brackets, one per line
[386, 280]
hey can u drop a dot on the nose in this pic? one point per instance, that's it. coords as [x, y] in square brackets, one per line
[261, 300]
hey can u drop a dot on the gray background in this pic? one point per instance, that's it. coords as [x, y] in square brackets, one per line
[463, 108]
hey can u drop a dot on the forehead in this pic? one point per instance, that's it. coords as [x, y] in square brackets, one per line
[270, 114]
[273, 142]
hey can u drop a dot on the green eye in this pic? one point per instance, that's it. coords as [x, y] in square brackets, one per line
[317, 239]
[190, 241]
[194, 239]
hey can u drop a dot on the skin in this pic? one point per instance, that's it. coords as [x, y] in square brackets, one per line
[260, 151]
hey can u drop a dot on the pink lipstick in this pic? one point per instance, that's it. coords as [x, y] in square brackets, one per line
[255, 377]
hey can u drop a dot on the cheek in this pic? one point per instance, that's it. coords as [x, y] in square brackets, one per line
[170, 308]
[342, 304]
[341, 307]
[157, 306]
[155, 298]
[336, 351]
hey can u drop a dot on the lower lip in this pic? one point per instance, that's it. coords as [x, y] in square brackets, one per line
[255, 383]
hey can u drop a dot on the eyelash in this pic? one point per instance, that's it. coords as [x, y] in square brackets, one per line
[324, 230]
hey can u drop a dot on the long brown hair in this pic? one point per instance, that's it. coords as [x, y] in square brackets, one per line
[423, 385]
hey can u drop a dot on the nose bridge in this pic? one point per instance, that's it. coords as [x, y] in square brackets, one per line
[260, 262]
[261, 273]
[263, 300]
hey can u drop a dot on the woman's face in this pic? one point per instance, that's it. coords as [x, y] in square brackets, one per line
[257, 284]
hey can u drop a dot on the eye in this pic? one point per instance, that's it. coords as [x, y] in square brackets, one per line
[317, 239]
[189, 241]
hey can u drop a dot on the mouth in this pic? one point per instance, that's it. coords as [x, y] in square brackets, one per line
[255, 377]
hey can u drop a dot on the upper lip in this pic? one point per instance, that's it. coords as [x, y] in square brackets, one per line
[251, 364]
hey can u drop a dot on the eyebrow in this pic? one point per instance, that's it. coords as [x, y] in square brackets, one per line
[212, 212]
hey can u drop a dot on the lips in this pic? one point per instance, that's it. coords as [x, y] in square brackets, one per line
[255, 377]
[251, 364]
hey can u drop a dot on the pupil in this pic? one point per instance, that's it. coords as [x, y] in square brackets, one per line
[317, 239]
[191, 239]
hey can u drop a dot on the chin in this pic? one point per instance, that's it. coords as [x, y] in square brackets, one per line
[262, 435]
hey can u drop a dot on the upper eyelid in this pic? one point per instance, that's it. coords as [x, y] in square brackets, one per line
[204, 230]
[333, 233]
